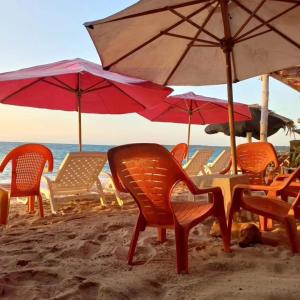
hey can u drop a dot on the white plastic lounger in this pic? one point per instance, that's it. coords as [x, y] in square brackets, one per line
[219, 164]
[78, 178]
[195, 166]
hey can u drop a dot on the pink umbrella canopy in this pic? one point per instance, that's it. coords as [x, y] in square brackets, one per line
[78, 85]
[190, 109]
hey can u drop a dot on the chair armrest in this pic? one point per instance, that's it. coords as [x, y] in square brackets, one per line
[257, 187]
[226, 169]
[46, 179]
[4, 163]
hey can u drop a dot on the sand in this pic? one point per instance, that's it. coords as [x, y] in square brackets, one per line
[81, 254]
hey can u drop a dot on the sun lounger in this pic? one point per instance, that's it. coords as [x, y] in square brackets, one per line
[219, 164]
[195, 166]
[78, 178]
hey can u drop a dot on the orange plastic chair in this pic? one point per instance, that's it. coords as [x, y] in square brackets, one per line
[253, 159]
[271, 206]
[179, 152]
[149, 173]
[28, 162]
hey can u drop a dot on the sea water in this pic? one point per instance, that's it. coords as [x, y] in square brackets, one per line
[61, 150]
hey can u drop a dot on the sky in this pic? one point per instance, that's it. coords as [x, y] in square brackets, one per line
[37, 32]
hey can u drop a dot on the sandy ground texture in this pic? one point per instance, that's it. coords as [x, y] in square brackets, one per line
[81, 254]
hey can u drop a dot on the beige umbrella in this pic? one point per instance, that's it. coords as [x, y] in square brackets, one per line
[199, 42]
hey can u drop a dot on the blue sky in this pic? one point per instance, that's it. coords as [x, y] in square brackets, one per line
[37, 32]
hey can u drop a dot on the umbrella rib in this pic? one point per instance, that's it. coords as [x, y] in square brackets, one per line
[191, 39]
[63, 83]
[195, 24]
[113, 84]
[93, 86]
[266, 23]
[190, 45]
[177, 106]
[20, 90]
[145, 13]
[90, 90]
[253, 36]
[249, 18]
[155, 37]
[57, 85]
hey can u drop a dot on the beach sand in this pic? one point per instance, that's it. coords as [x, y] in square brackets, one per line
[81, 254]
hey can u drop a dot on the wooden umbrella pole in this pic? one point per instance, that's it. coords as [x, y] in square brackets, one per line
[231, 111]
[227, 46]
[79, 112]
[189, 136]
[264, 109]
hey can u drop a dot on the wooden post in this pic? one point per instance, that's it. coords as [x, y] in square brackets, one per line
[231, 111]
[79, 112]
[249, 137]
[264, 109]
[227, 44]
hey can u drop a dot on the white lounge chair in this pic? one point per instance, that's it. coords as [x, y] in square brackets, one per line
[77, 178]
[195, 166]
[219, 164]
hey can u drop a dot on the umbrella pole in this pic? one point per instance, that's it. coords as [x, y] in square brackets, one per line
[79, 112]
[231, 110]
[264, 109]
[189, 136]
[79, 121]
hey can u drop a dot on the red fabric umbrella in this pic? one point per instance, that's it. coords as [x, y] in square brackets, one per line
[78, 85]
[190, 109]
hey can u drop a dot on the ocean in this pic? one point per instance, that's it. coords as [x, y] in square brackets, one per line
[61, 150]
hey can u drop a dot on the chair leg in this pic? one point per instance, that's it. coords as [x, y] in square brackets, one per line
[31, 200]
[265, 224]
[41, 207]
[231, 213]
[181, 236]
[140, 226]
[225, 233]
[162, 234]
[291, 230]
[101, 192]
[4, 207]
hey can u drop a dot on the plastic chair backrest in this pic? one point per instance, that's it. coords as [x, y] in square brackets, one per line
[148, 172]
[80, 170]
[254, 158]
[179, 152]
[28, 163]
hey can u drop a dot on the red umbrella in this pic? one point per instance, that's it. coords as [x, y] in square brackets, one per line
[190, 109]
[78, 85]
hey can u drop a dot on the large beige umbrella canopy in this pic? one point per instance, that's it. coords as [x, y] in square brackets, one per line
[177, 42]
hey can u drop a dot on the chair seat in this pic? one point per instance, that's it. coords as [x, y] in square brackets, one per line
[187, 212]
[272, 208]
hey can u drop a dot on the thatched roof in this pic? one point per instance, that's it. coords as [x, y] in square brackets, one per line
[275, 122]
[290, 76]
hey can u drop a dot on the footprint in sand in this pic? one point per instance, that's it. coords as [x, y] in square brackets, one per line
[82, 250]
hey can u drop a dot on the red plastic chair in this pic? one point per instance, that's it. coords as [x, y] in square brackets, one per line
[28, 162]
[179, 152]
[149, 173]
[272, 206]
